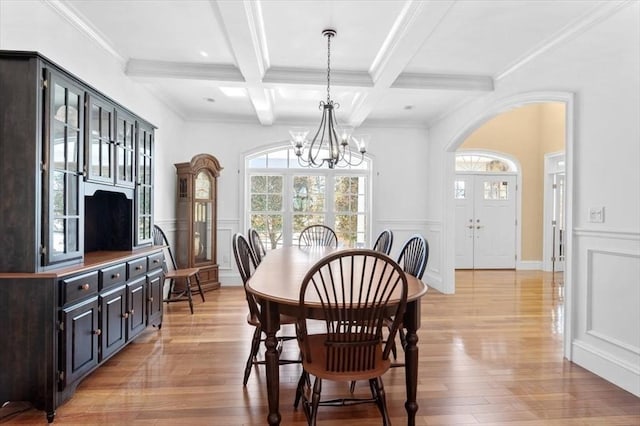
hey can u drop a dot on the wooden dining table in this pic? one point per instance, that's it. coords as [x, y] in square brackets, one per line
[276, 285]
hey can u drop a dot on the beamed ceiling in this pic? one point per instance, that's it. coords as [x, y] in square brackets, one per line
[393, 62]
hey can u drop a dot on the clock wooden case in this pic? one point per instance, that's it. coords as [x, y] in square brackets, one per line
[196, 217]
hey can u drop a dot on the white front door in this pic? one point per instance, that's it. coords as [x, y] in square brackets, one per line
[485, 221]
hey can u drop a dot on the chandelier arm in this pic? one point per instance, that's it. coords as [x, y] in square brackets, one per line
[316, 144]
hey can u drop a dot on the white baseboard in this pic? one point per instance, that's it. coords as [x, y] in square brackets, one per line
[529, 265]
[618, 372]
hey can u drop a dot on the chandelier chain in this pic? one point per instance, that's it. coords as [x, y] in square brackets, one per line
[328, 67]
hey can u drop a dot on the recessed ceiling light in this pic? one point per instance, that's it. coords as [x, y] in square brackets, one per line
[209, 99]
[203, 54]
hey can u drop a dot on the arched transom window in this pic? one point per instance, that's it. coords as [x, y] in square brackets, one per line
[282, 198]
[475, 162]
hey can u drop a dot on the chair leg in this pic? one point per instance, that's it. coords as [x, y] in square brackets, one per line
[255, 345]
[300, 388]
[403, 337]
[171, 284]
[315, 401]
[188, 285]
[377, 391]
[199, 286]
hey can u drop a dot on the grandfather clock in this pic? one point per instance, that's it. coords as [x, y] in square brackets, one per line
[196, 227]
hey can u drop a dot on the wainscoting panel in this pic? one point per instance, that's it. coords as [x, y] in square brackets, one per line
[607, 306]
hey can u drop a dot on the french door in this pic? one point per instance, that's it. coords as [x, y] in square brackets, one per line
[485, 220]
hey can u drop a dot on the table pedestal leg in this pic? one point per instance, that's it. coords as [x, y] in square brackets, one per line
[271, 324]
[411, 323]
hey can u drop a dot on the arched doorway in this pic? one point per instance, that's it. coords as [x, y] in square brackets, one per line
[448, 221]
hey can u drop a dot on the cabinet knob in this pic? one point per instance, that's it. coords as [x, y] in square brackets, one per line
[97, 332]
[156, 261]
[125, 315]
[150, 299]
[138, 268]
[116, 275]
[132, 312]
[85, 286]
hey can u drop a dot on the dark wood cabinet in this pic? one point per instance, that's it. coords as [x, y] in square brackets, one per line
[113, 315]
[72, 320]
[76, 168]
[79, 276]
[196, 217]
[155, 282]
[79, 346]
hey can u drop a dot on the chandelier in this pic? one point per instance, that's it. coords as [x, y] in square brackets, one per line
[332, 144]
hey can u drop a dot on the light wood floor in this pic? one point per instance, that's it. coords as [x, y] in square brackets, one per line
[490, 354]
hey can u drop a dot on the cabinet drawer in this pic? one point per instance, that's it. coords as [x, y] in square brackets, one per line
[77, 287]
[137, 267]
[155, 261]
[112, 275]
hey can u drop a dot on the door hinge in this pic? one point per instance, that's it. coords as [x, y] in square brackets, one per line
[43, 250]
[45, 84]
[43, 167]
[61, 326]
[554, 186]
[61, 376]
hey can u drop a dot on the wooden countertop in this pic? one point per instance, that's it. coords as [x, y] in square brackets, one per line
[92, 261]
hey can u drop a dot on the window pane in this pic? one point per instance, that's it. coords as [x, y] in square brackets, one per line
[258, 184]
[258, 162]
[58, 236]
[496, 190]
[258, 203]
[309, 193]
[269, 227]
[274, 202]
[460, 193]
[274, 184]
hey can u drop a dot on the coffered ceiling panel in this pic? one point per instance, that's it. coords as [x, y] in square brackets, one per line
[406, 62]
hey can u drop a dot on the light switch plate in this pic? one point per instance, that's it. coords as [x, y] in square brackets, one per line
[596, 214]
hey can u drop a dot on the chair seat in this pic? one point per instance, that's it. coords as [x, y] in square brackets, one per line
[182, 273]
[284, 319]
[319, 362]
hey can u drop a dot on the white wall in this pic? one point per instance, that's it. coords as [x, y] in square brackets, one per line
[600, 67]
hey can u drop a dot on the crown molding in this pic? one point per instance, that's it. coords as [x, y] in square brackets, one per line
[81, 23]
[444, 82]
[589, 19]
[183, 70]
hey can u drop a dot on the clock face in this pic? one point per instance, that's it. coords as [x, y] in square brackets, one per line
[203, 186]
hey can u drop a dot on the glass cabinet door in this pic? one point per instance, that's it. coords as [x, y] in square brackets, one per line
[202, 218]
[144, 193]
[64, 239]
[100, 154]
[125, 148]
